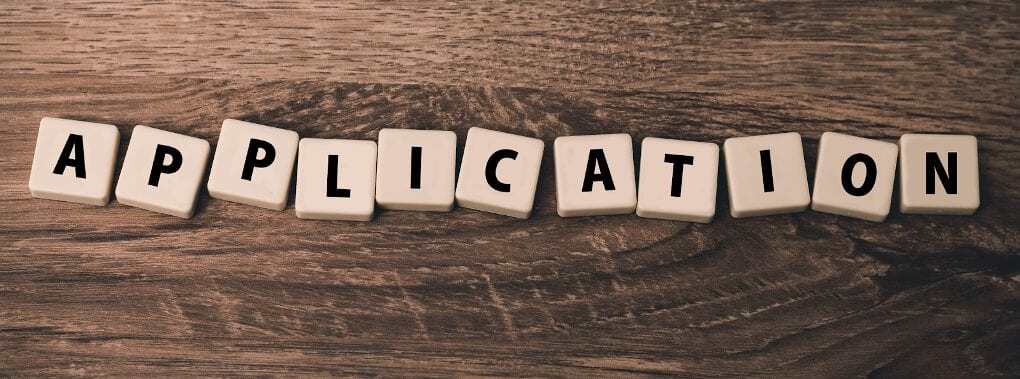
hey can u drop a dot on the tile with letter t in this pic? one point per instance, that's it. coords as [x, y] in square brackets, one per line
[854, 177]
[416, 169]
[766, 175]
[253, 164]
[595, 175]
[939, 174]
[499, 172]
[74, 161]
[335, 179]
[162, 171]
[678, 180]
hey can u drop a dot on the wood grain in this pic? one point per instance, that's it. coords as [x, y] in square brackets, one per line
[239, 290]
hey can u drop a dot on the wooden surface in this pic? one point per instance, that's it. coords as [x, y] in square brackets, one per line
[87, 291]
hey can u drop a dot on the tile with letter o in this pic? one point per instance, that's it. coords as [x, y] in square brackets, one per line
[854, 177]
[416, 170]
[766, 175]
[678, 180]
[74, 161]
[162, 171]
[595, 175]
[939, 174]
[253, 164]
[499, 172]
[335, 179]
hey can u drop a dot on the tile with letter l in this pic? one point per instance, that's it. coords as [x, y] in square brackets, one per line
[335, 179]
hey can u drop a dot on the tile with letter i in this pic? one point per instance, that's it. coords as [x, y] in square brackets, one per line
[854, 177]
[253, 164]
[416, 170]
[162, 171]
[594, 175]
[74, 161]
[335, 179]
[939, 174]
[678, 180]
[766, 175]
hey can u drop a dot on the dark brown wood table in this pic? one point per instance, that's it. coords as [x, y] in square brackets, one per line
[121, 291]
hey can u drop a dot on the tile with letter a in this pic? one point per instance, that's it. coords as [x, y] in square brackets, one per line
[499, 172]
[253, 164]
[162, 171]
[335, 179]
[595, 175]
[854, 177]
[416, 169]
[766, 175]
[74, 161]
[939, 174]
[678, 180]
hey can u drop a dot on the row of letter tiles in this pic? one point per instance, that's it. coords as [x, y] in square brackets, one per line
[416, 170]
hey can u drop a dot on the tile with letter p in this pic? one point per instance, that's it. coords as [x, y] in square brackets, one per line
[253, 164]
[162, 171]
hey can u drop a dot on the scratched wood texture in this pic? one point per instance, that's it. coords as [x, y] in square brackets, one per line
[89, 291]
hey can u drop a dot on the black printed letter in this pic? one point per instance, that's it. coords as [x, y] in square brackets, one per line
[74, 145]
[159, 165]
[870, 173]
[251, 161]
[766, 171]
[678, 162]
[597, 157]
[933, 166]
[490, 169]
[415, 166]
[332, 187]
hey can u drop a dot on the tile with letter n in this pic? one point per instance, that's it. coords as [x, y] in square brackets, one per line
[939, 174]
[74, 161]
[162, 171]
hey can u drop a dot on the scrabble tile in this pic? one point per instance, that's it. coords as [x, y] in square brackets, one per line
[74, 161]
[854, 177]
[594, 175]
[253, 164]
[766, 175]
[162, 171]
[939, 174]
[335, 179]
[499, 172]
[416, 169]
[678, 180]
